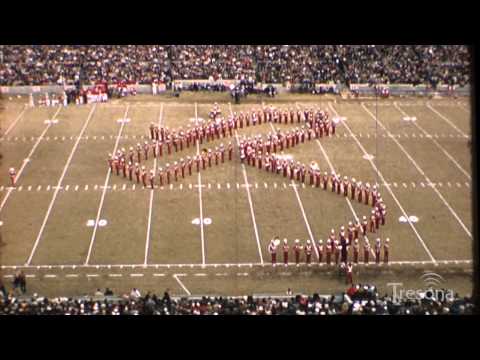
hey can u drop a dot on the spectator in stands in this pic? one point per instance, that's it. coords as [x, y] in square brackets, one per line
[3, 290]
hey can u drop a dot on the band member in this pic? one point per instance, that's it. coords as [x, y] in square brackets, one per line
[371, 224]
[337, 249]
[366, 251]
[116, 163]
[137, 172]
[329, 251]
[272, 249]
[386, 249]
[378, 247]
[160, 175]
[353, 188]
[151, 178]
[360, 191]
[152, 130]
[320, 251]
[357, 230]
[189, 164]
[130, 171]
[349, 272]
[222, 153]
[285, 249]
[131, 154]
[182, 167]
[167, 172]
[350, 232]
[110, 163]
[308, 252]
[175, 170]
[144, 176]
[345, 186]
[154, 148]
[364, 226]
[13, 175]
[123, 165]
[356, 250]
[297, 248]
[139, 153]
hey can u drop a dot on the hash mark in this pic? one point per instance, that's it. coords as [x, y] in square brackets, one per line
[86, 187]
[48, 188]
[67, 187]
[76, 187]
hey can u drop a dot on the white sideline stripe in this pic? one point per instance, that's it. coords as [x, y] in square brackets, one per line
[175, 276]
[115, 275]
[102, 199]
[437, 144]
[136, 275]
[423, 173]
[310, 233]
[249, 196]
[150, 207]
[59, 183]
[168, 266]
[14, 122]
[447, 120]
[158, 274]
[29, 156]
[93, 275]
[427, 250]
[202, 234]
[200, 274]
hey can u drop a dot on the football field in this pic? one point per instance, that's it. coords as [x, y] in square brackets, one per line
[72, 226]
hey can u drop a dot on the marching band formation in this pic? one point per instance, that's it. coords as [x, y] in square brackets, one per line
[264, 152]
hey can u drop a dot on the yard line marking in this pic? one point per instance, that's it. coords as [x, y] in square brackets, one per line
[96, 187]
[76, 187]
[136, 275]
[458, 184]
[202, 235]
[413, 184]
[221, 274]
[59, 183]
[467, 184]
[436, 143]
[423, 174]
[395, 184]
[14, 122]
[427, 250]
[8, 276]
[39, 187]
[175, 276]
[324, 153]
[422, 184]
[150, 206]
[219, 186]
[29, 156]
[200, 274]
[242, 274]
[115, 275]
[156, 274]
[440, 184]
[67, 187]
[71, 275]
[102, 199]
[20, 188]
[404, 185]
[312, 238]
[86, 188]
[249, 196]
[2, 187]
[114, 186]
[265, 185]
[447, 120]
[50, 276]
[92, 275]
[30, 275]
[228, 185]
[124, 186]
[449, 184]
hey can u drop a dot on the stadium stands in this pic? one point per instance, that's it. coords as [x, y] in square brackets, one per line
[358, 300]
[412, 64]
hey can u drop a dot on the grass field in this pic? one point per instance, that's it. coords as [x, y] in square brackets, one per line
[423, 168]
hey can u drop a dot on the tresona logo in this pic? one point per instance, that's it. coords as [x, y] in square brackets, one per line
[432, 279]
[432, 291]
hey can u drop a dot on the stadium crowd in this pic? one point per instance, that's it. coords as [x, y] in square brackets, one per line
[357, 300]
[58, 64]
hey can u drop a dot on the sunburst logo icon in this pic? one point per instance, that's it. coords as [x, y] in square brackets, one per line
[432, 279]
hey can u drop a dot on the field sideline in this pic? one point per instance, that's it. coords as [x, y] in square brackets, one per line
[152, 238]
